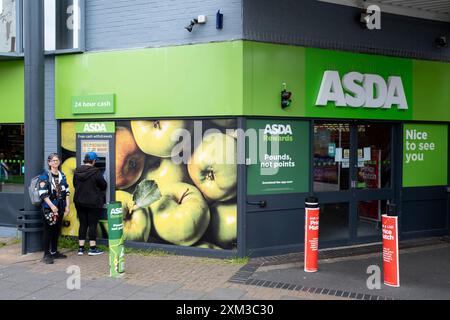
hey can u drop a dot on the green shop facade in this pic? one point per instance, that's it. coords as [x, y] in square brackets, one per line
[361, 132]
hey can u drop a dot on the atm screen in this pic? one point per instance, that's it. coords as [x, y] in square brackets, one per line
[101, 164]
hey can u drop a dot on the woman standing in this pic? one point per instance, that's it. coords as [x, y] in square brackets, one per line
[54, 193]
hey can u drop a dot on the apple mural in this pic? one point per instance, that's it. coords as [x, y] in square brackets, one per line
[68, 135]
[166, 171]
[223, 225]
[213, 167]
[157, 137]
[136, 221]
[129, 159]
[182, 215]
[70, 223]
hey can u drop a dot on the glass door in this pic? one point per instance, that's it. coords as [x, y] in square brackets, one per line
[352, 177]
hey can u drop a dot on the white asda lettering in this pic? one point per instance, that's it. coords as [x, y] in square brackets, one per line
[278, 129]
[361, 90]
[116, 211]
[94, 127]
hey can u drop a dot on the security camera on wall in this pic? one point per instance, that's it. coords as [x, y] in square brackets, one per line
[441, 42]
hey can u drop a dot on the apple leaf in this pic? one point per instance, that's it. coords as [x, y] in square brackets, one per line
[146, 193]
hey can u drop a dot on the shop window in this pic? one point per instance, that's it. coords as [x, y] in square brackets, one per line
[63, 25]
[11, 158]
[8, 26]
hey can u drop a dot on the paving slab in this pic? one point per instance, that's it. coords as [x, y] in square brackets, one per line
[164, 288]
[125, 290]
[186, 294]
[147, 296]
[48, 293]
[84, 293]
[13, 294]
[224, 294]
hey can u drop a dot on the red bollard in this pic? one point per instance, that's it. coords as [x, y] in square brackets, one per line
[311, 251]
[391, 268]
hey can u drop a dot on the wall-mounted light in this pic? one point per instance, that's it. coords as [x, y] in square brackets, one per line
[201, 19]
[285, 97]
[441, 42]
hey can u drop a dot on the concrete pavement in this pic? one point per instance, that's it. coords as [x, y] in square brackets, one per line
[424, 268]
[147, 278]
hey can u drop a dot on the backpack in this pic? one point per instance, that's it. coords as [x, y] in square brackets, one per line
[33, 191]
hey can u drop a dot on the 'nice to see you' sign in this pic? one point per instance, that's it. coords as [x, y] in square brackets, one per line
[361, 90]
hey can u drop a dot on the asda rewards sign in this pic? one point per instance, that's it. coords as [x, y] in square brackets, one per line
[277, 157]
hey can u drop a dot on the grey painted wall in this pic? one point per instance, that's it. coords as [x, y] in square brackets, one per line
[316, 24]
[122, 24]
[50, 144]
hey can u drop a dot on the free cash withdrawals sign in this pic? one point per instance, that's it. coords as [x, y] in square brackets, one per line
[277, 156]
[104, 103]
[425, 153]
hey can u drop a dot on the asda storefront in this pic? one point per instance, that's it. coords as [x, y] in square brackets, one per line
[204, 126]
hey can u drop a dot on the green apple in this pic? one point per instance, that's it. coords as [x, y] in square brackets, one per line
[136, 221]
[166, 171]
[207, 245]
[70, 224]
[223, 225]
[181, 216]
[130, 160]
[230, 123]
[68, 135]
[213, 167]
[157, 137]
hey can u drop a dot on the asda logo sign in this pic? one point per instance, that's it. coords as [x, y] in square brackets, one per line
[275, 129]
[357, 90]
[278, 132]
[116, 211]
[96, 127]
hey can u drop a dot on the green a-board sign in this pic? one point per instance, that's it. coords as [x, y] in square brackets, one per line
[425, 155]
[93, 104]
[277, 153]
[116, 239]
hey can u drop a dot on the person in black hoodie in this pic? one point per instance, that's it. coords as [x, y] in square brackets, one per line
[89, 198]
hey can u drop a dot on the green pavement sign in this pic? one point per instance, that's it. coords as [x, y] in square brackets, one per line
[116, 239]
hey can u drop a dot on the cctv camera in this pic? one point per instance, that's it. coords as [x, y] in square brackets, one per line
[191, 25]
[441, 42]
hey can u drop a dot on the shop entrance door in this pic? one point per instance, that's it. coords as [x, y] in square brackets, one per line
[353, 179]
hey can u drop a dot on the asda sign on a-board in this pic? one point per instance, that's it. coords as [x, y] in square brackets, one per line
[277, 156]
[425, 155]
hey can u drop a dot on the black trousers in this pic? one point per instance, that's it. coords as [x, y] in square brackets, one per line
[52, 233]
[88, 220]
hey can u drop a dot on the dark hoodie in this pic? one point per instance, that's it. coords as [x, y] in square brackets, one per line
[89, 187]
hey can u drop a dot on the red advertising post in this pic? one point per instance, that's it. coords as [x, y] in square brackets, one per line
[390, 251]
[311, 234]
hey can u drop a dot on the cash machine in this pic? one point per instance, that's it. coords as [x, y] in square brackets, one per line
[100, 138]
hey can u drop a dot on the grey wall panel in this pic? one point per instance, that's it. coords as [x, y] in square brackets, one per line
[324, 25]
[274, 228]
[50, 122]
[122, 24]
[9, 210]
[424, 215]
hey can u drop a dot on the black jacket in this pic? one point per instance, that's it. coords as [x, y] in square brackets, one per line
[90, 187]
